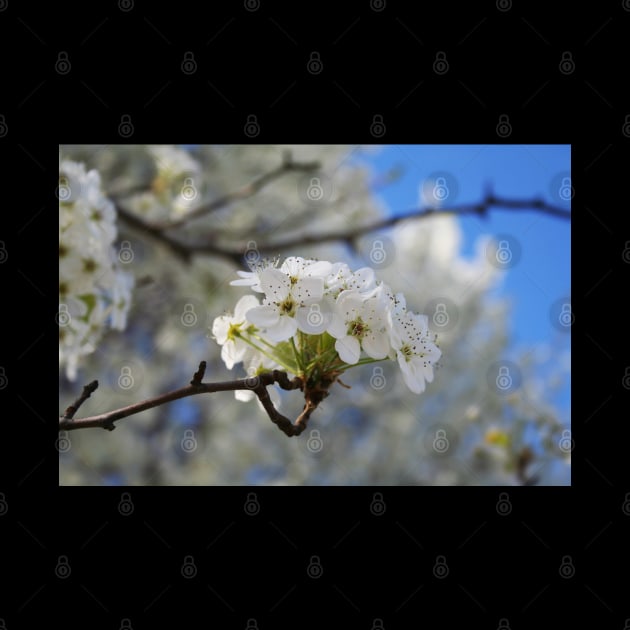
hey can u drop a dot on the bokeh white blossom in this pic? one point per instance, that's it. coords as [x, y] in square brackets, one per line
[94, 292]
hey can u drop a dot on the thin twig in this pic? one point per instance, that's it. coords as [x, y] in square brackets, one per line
[257, 384]
[85, 394]
[198, 375]
[287, 166]
[183, 250]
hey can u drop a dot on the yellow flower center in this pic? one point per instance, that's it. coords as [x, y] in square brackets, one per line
[357, 328]
[234, 331]
[287, 307]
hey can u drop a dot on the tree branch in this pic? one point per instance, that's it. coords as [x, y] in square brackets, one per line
[257, 384]
[181, 249]
[479, 209]
[287, 166]
[207, 246]
[74, 407]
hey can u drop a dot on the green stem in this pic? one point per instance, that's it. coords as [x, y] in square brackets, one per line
[366, 361]
[298, 358]
[323, 360]
[289, 368]
[272, 346]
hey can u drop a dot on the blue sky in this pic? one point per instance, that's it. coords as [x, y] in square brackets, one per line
[540, 283]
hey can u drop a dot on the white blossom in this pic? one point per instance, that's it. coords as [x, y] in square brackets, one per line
[252, 278]
[227, 330]
[285, 293]
[357, 324]
[415, 350]
[362, 315]
[94, 292]
[342, 278]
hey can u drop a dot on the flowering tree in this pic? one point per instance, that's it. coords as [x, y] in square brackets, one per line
[156, 245]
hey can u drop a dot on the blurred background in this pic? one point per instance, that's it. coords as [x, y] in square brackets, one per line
[495, 286]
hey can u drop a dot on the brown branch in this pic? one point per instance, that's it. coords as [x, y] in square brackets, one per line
[181, 249]
[198, 375]
[479, 209]
[186, 250]
[257, 384]
[287, 166]
[85, 394]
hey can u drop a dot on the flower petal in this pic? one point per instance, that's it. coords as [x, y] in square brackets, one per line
[307, 289]
[275, 284]
[220, 327]
[228, 355]
[337, 327]
[320, 269]
[349, 349]
[312, 319]
[263, 316]
[413, 381]
[246, 303]
[284, 329]
[376, 345]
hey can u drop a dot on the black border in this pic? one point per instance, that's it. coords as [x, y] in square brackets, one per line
[500, 62]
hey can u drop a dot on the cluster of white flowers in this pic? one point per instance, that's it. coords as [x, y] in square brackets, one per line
[93, 291]
[319, 318]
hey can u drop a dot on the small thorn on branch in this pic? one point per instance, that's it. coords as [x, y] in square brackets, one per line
[199, 374]
[85, 394]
